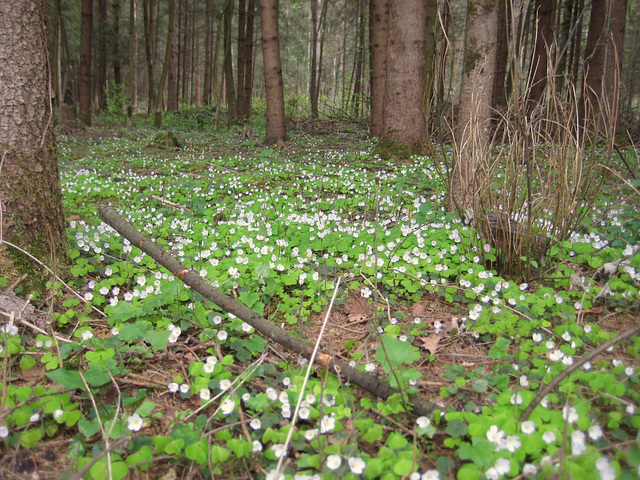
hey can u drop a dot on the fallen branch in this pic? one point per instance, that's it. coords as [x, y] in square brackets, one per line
[373, 385]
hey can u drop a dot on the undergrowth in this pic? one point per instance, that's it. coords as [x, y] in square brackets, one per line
[138, 372]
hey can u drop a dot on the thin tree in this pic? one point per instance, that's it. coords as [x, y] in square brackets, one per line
[133, 77]
[246, 12]
[545, 21]
[147, 10]
[84, 86]
[101, 50]
[159, 103]
[227, 62]
[172, 78]
[31, 215]
[276, 126]
[115, 43]
[313, 74]
[208, 52]
[472, 123]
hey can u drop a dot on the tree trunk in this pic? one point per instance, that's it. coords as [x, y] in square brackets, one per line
[57, 54]
[378, 15]
[84, 87]
[115, 48]
[276, 126]
[30, 193]
[246, 14]
[472, 123]
[358, 58]
[208, 52]
[602, 67]
[498, 90]
[227, 64]
[313, 74]
[159, 104]
[538, 75]
[133, 67]
[101, 74]
[146, 14]
[172, 79]
[405, 128]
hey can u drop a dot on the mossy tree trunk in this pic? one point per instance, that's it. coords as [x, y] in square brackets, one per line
[30, 196]
[473, 120]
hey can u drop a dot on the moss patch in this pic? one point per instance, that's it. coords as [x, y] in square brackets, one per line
[390, 149]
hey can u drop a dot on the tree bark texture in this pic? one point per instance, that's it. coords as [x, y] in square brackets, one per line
[208, 52]
[538, 76]
[115, 43]
[473, 120]
[172, 76]
[313, 73]
[602, 67]
[405, 127]
[276, 126]
[84, 86]
[378, 15]
[159, 103]
[146, 13]
[101, 48]
[227, 62]
[133, 67]
[366, 381]
[31, 213]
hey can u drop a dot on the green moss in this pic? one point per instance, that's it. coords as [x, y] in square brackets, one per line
[165, 140]
[389, 149]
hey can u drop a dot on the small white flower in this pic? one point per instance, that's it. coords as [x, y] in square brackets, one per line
[528, 427]
[423, 422]
[512, 443]
[524, 381]
[516, 399]
[225, 384]
[529, 469]
[173, 387]
[537, 337]
[327, 423]
[227, 406]
[430, 475]
[134, 422]
[4, 432]
[87, 334]
[334, 462]
[58, 413]
[34, 418]
[255, 424]
[595, 432]
[257, 446]
[184, 388]
[304, 413]
[370, 367]
[356, 465]
[502, 466]
[365, 292]
[549, 437]
[278, 449]
[570, 414]
[310, 434]
[494, 435]
[205, 394]
[222, 335]
[115, 331]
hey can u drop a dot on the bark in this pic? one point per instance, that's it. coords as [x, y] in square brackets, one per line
[378, 14]
[575, 52]
[146, 13]
[165, 68]
[101, 37]
[227, 63]
[276, 127]
[538, 75]
[84, 86]
[405, 129]
[30, 196]
[115, 42]
[602, 67]
[358, 58]
[172, 78]
[133, 67]
[313, 74]
[498, 90]
[208, 52]
[472, 123]
[57, 53]
[372, 384]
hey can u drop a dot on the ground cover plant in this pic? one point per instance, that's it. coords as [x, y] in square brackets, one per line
[136, 372]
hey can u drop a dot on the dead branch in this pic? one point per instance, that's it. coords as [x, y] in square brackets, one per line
[373, 385]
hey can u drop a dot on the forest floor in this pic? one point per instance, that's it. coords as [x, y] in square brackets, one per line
[275, 228]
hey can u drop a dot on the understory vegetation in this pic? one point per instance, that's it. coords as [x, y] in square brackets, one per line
[130, 370]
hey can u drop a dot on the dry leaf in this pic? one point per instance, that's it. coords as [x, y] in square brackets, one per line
[357, 318]
[419, 309]
[430, 343]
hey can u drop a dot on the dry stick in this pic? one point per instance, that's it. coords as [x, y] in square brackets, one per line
[421, 406]
[587, 358]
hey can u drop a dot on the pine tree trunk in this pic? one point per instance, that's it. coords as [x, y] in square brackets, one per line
[276, 127]
[159, 104]
[29, 185]
[146, 13]
[101, 37]
[538, 76]
[227, 65]
[133, 67]
[84, 86]
[115, 48]
[208, 53]
[172, 79]
[378, 14]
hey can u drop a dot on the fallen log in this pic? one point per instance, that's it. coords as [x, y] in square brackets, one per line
[364, 380]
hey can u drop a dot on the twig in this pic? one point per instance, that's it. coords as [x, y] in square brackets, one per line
[107, 450]
[364, 380]
[565, 373]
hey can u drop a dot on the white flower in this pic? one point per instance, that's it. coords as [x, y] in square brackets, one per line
[205, 394]
[549, 437]
[327, 423]
[225, 384]
[278, 449]
[492, 474]
[257, 446]
[304, 413]
[370, 367]
[578, 445]
[494, 435]
[512, 443]
[516, 399]
[334, 462]
[423, 422]
[430, 475]
[529, 469]
[356, 465]
[595, 432]
[528, 427]
[87, 334]
[58, 413]
[310, 434]
[34, 418]
[502, 466]
[184, 388]
[115, 331]
[222, 335]
[134, 422]
[173, 387]
[255, 424]
[4, 432]
[227, 406]
[365, 292]
[570, 414]
[537, 337]
[524, 381]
